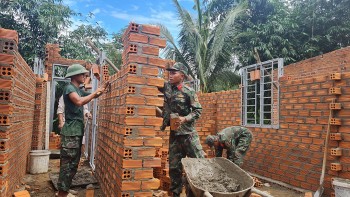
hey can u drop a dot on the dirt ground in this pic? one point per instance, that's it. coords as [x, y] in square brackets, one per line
[279, 191]
[40, 185]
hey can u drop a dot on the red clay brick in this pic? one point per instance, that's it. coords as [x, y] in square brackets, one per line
[23, 193]
[150, 91]
[132, 79]
[146, 152]
[131, 185]
[5, 84]
[148, 50]
[6, 109]
[143, 111]
[156, 141]
[159, 82]
[4, 169]
[152, 163]
[143, 194]
[153, 121]
[157, 62]
[150, 71]
[150, 184]
[138, 121]
[150, 29]
[143, 174]
[133, 58]
[147, 131]
[135, 100]
[155, 101]
[138, 38]
[133, 141]
[157, 42]
[129, 163]
[9, 34]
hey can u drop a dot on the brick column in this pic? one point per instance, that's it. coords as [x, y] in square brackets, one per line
[39, 125]
[128, 124]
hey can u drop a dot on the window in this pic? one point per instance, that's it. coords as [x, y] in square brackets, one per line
[260, 94]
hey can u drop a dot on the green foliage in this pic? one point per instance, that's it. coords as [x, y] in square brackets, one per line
[294, 30]
[203, 46]
[37, 22]
[73, 44]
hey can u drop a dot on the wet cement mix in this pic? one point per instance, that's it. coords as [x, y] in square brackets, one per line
[210, 176]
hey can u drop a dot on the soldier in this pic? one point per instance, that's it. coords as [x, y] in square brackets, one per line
[73, 129]
[235, 139]
[180, 101]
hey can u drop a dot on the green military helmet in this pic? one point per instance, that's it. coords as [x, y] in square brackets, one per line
[75, 69]
[211, 139]
[178, 66]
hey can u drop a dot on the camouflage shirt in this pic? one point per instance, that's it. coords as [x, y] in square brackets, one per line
[74, 124]
[184, 101]
[236, 140]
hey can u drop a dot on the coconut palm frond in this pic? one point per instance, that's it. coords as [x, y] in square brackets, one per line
[222, 33]
[187, 24]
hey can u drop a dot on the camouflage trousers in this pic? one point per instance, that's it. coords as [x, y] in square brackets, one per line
[181, 146]
[240, 150]
[69, 161]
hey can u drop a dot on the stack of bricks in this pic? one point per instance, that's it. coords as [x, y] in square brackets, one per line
[53, 56]
[39, 124]
[127, 119]
[17, 95]
[54, 141]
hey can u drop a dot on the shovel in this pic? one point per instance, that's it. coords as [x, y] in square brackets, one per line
[319, 191]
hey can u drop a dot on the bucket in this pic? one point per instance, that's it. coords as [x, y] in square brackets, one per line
[39, 161]
[341, 187]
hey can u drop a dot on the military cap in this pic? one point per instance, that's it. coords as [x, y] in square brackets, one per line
[178, 66]
[211, 139]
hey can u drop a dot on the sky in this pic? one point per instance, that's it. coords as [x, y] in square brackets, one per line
[113, 15]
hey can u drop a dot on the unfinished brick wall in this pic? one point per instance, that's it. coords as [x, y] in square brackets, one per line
[53, 56]
[293, 154]
[17, 95]
[335, 61]
[127, 141]
[39, 124]
[220, 110]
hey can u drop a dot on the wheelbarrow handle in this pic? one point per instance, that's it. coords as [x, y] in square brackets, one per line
[207, 194]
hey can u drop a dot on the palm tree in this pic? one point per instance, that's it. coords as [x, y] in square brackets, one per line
[204, 46]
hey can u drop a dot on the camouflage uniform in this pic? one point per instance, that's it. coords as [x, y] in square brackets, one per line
[71, 138]
[184, 141]
[236, 140]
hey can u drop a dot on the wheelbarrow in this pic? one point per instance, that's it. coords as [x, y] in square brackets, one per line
[216, 177]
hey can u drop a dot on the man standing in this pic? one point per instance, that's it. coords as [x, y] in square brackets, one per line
[235, 139]
[73, 129]
[180, 101]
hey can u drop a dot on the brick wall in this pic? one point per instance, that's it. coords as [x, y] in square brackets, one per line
[128, 124]
[293, 154]
[53, 56]
[17, 95]
[39, 124]
[335, 61]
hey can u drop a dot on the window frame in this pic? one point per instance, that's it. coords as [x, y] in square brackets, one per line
[274, 65]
